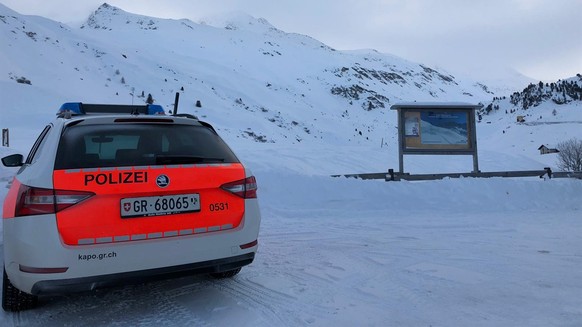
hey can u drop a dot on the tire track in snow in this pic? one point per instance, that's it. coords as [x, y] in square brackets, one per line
[151, 304]
[165, 310]
[281, 309]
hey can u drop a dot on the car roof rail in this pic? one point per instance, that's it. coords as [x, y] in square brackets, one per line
[79, 108]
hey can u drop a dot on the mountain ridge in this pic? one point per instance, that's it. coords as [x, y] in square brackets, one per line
[281, 87]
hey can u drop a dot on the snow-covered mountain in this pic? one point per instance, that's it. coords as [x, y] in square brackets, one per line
[333, 251]
[252, 81]
[281, 87]
[558, 93]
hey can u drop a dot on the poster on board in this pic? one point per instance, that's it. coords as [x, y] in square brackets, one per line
[412, 126]
[444, 127]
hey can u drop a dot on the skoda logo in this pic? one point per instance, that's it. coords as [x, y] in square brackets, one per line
[163, 181]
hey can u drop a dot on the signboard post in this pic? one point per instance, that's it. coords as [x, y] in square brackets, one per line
[433, 128]
[5, 137]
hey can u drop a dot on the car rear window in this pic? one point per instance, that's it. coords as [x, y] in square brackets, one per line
[91, 146]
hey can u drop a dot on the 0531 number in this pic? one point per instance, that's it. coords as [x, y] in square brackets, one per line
[220, 206]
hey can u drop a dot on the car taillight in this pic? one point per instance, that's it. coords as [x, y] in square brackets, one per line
[39, 201]
[245, 188]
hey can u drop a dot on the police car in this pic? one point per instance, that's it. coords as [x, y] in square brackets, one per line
[113, 194]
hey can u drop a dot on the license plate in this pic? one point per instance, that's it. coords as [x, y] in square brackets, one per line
[159, 205]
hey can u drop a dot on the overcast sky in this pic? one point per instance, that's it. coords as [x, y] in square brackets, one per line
[541, 39]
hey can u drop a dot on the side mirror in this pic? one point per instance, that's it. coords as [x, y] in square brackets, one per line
[13, 160]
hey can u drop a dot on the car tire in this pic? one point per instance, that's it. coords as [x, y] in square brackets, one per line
[226, 274]
[14, 299]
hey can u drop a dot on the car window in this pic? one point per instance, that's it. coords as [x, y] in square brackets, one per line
[38, 145]
[91, 146]
[105, 146]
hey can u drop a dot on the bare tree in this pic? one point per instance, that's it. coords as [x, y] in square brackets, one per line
[150, 99]
[570, 155]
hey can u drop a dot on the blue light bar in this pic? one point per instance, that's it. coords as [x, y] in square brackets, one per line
[155, 109]
[78, 108]
[73, 107]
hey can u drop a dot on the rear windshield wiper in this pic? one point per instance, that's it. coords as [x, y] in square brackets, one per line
[184, 159]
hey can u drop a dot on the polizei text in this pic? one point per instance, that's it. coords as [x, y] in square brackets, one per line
[122, 177]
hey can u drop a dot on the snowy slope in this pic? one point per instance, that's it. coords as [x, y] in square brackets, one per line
[343, 252]
[333, 251]
[283, 88]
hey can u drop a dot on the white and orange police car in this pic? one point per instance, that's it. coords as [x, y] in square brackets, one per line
[114, 194]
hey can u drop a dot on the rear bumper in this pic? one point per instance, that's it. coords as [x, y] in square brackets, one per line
[63, 286]
[32, 246]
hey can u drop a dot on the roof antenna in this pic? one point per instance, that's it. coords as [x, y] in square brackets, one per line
[176, 104]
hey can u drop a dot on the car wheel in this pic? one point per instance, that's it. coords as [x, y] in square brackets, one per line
[226, 274]
[14, 299]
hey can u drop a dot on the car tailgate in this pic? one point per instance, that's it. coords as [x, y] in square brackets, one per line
[152, 202]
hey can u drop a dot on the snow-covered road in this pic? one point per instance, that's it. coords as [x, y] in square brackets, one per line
[489, 252]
